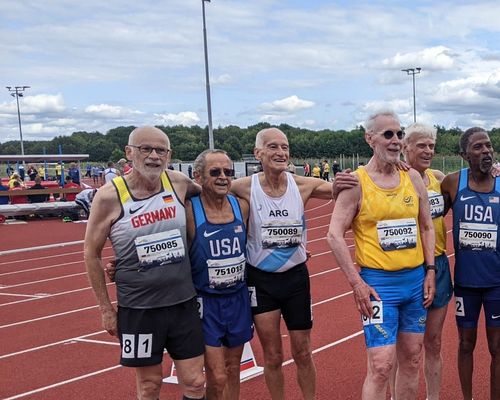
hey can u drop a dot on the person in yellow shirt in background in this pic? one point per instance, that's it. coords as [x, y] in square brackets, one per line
[326, 171]
[316, 171]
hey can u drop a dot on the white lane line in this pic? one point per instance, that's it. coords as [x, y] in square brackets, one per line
[97, 342]
[22, 271]
[320, 206]
[65, 341]
[50, 295]
[44, 247]
[75, 379]
[31, 296]
[43, 280]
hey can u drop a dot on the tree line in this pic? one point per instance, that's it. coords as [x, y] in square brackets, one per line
[188, 142]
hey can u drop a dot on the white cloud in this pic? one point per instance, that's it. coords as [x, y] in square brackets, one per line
[109, 111]
[223, 79]
[433, 58]
[288, 105]
[186, 118]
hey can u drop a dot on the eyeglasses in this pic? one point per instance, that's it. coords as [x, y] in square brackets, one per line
[147, 150]
[389, 134]
[216, 172]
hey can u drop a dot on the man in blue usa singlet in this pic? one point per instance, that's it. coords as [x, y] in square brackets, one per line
[474, 195]
[144, 217]
[216, 227]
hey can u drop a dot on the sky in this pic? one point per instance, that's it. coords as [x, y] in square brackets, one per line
[317, 64]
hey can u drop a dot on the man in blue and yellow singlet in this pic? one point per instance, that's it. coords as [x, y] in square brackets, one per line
[144, 217]
[394, 241]
[474, 195]
[216, 227]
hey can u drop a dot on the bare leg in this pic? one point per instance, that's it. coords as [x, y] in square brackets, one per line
[302, 355]
[493, 335]
[267, 326]
[467, 343]
[233, 361]
[433, 363]
[149, 380]
[190, 374]
[409, 350]
[380, 363]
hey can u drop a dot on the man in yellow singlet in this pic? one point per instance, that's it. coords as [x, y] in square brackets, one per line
[394, 240]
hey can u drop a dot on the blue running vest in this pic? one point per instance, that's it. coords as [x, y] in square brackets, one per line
[476, 217]
[218, 251]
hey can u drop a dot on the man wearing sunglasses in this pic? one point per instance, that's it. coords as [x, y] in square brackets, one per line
[143, 215]
[394, 239]
[216, 222]
[278, 280]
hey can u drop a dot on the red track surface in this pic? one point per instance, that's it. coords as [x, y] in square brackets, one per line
[53, 346]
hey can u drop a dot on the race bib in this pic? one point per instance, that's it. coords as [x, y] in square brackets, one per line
[226, 273]
[281, 233]
[436, 202]
[397, 234]
[477, 236]
[160, 248]
[378, 314]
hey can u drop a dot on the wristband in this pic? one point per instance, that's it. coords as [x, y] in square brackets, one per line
[430, 267]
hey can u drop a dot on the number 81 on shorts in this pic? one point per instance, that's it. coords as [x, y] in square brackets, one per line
[377, 316]
[144, 344]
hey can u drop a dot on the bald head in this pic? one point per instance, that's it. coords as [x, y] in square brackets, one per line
[146, 133]
[264, 134]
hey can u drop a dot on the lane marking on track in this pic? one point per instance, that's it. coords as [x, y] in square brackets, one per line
[44, 247]
[97, 342]
[52, 295]
[31, 349]
[75, 379]
[22, 271]
[320, 206]
[50, 316]
[36, 296]
[46, 257]
[44, 280]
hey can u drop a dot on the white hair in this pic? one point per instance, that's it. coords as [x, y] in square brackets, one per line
[420, 130]
[370, 121]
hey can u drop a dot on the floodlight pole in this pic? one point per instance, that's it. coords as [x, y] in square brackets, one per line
[207, 80]
[17, 92]
[413, 72]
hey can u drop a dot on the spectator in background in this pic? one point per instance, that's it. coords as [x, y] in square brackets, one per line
[37, 198]
[307, 169]
[111, 172]
[95, 174]
[22, 172]
[316, 171]
[32, 173]
[326, 171]
[74, 172]
[88, 169]
[190, 171]
[127, 168]
[335, 168]
[41, 172]
[58, 169]
[9, 170]
[290, 167]
[3, 199]
[18, 199]
[15, 178]
[70, 185]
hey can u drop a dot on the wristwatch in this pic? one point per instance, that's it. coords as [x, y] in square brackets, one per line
[430, 267]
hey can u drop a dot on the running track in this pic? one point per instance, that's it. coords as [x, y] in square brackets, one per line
[52, 345]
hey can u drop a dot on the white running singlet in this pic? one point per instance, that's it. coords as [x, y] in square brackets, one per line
[276, 229]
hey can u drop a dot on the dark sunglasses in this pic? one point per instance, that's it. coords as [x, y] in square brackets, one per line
[389, 134]
[215, 172]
